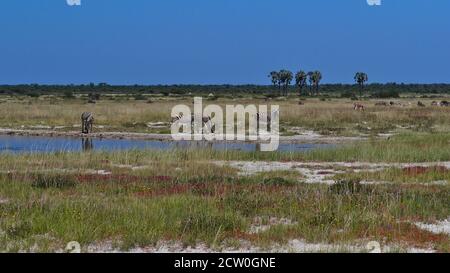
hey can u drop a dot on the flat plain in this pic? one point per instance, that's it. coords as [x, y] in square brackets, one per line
[390, 186]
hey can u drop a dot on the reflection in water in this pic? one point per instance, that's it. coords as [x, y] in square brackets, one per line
[87, 144]
[194, 144]
[21, 144]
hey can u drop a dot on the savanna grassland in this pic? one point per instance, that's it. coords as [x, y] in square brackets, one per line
[381, 189]
[326, 116]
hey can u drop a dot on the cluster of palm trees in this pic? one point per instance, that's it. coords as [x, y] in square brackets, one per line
[283, 78]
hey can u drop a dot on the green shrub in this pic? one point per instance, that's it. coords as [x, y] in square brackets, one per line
[346, 187]
[278, 181]
[139, 97]
[59, 181]
[386, 94]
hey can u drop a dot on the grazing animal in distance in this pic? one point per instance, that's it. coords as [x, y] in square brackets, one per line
[434, 103]
[420, 104]
[87, 122]
[358, 107]
[444, 103]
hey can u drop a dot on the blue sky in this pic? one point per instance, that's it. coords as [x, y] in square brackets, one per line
[222, 41]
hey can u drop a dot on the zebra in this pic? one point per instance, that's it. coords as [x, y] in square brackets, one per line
[206, 120]
[358, 107]
[177, 118]
[269, 116]
[87, 121]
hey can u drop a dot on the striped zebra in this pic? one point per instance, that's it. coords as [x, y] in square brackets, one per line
[177, 118]
[269, 116]
[206, 121]
[87, 121]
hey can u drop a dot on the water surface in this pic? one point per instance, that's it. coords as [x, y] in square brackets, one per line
[31, 144]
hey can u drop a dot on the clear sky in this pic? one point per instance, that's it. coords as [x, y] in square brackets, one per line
[222, 41]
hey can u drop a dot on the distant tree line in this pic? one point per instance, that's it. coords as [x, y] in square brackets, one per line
[305, 84]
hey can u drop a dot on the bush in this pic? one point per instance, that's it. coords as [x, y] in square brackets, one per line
[33, 94]
[346, 187]
[278, 181]
[68, 94]
[386, 94]
[347, 94]
[139, 97]
[59, 181]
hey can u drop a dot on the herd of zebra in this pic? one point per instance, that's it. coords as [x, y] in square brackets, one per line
[207, 120]
[87, 118]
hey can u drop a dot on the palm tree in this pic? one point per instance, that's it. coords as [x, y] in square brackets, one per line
[314, 81]
[300, 80]
[275, 78]
[360, 79]
[311, 82]
[286, 78]
[318, 78]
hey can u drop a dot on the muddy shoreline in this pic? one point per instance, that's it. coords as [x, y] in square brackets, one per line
[297, 139]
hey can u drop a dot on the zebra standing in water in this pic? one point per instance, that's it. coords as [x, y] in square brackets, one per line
[87, 121]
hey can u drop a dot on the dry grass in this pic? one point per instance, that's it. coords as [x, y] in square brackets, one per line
[334, 116]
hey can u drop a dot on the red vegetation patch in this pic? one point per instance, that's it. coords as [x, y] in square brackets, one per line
[206, 189]
[418, 170]
[410, 234]
[324, 172]
[86, 178]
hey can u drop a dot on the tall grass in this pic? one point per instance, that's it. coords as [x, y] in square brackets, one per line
[327, 117]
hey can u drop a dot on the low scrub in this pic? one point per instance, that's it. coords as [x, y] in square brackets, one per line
[59, 181]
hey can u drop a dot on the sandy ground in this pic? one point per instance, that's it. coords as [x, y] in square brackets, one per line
[308, 137]
[293, 246]
[437, 228]
[321, 172]
[310, 172]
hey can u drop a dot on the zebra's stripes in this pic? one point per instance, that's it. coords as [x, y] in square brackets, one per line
[87, 121]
